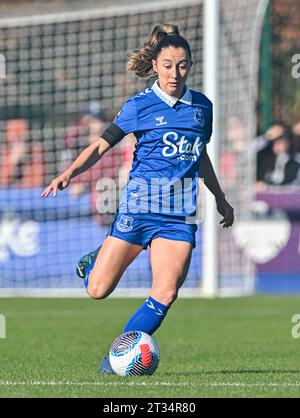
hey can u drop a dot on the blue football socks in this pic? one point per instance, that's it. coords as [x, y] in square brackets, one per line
[148, 317]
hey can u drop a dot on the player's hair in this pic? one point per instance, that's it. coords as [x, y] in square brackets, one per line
[162, 36]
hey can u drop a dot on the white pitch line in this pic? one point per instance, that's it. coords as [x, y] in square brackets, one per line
[144, 384]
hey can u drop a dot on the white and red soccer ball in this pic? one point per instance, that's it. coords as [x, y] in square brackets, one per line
[134, 353]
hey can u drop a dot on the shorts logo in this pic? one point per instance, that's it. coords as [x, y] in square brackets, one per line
[199, 117]
[125, 223]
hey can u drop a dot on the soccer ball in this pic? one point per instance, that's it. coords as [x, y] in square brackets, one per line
[134, 353]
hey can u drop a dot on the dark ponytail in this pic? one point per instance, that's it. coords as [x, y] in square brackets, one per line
[162, 36]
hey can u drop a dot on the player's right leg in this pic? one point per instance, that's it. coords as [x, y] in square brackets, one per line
[114, 257]
[85, 261]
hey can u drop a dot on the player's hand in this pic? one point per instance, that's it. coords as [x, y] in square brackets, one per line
[226, 211]
[59, 183]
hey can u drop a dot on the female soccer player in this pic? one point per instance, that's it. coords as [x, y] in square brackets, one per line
[172, 125]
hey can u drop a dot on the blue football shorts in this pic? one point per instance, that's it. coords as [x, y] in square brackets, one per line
[142, 228]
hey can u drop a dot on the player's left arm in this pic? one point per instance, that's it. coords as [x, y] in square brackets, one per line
[211, 182]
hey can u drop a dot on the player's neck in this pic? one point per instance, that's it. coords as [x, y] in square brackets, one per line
[177, 95]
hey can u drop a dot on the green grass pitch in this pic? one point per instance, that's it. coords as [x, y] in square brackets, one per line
[239, 347]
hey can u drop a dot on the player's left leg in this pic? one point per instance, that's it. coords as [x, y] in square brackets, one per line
[170, 261]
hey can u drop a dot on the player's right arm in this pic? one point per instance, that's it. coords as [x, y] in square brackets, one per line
[124, 123]
[89, 156]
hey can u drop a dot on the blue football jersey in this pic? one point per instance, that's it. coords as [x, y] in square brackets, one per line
[170, 134]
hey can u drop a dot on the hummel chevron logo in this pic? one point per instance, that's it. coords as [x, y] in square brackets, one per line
[160, 120]
[151, 306]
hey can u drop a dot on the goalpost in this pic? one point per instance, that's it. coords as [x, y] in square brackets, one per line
[232, 32]
[57, 64]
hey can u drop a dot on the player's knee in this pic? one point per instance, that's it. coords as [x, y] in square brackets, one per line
[97, 292]
[166, 296]
[169, 297]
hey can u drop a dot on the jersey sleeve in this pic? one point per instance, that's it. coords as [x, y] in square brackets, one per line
[209, 125]
[126, 119]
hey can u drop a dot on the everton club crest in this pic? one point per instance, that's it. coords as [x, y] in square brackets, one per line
[199, 117]
[125, 223]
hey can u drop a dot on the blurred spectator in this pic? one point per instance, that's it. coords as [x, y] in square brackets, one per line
[277, 166]
[232, 153]
[21, 158]
[115, 165]
[263, 143]
[77, 137]
[296, 141]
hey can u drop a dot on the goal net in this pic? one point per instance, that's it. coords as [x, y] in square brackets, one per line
[64, 82]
